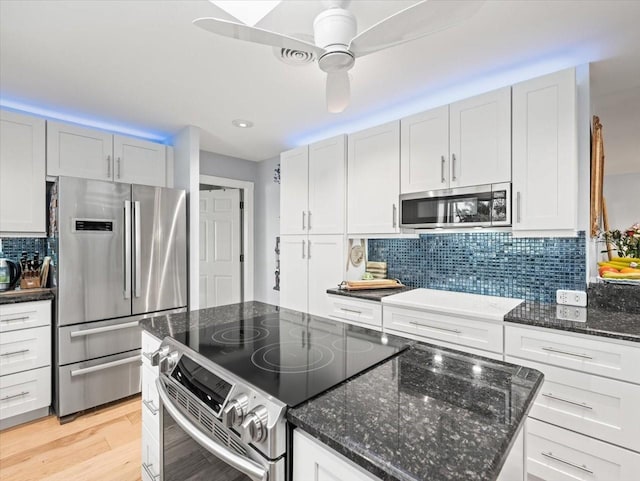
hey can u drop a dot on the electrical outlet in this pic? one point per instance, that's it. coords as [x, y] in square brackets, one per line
[571, 298]
[571, 313]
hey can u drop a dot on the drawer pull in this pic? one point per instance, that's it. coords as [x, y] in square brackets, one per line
[22, 351]
[147, 355]
[150, 406]
[13, 396]
[100, 330]
[13, 319]
[350, 310]
[551, 349]
[456, 331]
[568, 401]
[147, 469]
[106, 365]
[550, 455]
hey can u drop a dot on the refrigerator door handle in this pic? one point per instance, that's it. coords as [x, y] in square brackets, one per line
[127, 249]
[137, 269]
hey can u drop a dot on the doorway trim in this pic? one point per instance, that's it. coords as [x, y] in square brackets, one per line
[247, 227]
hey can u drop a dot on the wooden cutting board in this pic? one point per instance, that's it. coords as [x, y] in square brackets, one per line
[371, 284]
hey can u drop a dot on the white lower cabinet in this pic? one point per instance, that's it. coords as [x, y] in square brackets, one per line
[314, 461]
[557, 454]
[150, 411]
[356, 311]
[150, 455]
[25, 391]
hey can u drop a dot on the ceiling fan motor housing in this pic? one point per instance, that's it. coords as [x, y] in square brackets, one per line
[333, 30]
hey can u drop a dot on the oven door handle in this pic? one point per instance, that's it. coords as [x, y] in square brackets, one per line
[246, 466]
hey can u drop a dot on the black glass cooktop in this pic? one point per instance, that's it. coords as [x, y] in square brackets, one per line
[292, 356]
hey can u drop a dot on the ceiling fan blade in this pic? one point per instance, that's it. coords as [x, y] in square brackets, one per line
[240, 31]
[424, 18]
[338, 91]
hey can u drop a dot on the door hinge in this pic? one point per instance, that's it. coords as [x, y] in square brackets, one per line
[241, 205]
[241, 257]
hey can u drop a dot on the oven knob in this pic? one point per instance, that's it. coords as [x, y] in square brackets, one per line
[168, 362]
[254, 427]
[158, 355]
[234, 412]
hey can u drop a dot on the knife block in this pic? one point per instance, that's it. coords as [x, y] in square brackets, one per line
[29, 282]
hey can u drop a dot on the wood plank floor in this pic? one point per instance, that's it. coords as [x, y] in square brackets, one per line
[102, 445]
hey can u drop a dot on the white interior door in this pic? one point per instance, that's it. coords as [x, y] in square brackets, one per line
[220, 279]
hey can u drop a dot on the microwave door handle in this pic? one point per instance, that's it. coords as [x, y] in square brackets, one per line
[246, 466]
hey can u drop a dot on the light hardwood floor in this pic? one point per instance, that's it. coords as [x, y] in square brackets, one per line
[102, 445]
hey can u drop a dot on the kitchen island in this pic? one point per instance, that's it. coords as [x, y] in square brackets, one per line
[427, 413]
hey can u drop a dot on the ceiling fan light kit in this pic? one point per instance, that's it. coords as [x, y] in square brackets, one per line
[336, 40]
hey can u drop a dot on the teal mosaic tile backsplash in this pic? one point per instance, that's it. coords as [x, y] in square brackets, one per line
[490, 263]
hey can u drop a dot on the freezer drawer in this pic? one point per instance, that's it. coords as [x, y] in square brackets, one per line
[97, 339]
[87, 384]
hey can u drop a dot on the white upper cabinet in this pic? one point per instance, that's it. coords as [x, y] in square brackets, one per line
[294, 191]
[79, 152]
[424, 140]
[93, 154]
[373, 176]
[22, 174]
[139, 161]
[327, 186]
[545, 159]
[480, 139]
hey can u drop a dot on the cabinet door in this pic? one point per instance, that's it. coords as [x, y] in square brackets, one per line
[139, 161]
[79, 152]
[327, 185]
[293, 272]
[294, 199]
[373, 178]
[545, 159]
[22, 174]
[424, 151]
[480, 129]
[326, 269]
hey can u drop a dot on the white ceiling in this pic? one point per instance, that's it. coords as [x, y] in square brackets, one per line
[142, 64]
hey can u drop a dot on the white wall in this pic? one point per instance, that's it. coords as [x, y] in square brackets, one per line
[220, 165]
[267, 200]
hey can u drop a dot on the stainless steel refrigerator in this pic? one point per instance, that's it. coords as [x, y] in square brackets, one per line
[122, 256]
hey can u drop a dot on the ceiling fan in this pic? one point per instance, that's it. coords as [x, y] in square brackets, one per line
[337, 43]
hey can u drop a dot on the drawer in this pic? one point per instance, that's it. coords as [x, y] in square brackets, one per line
[599, 407]
[556, 454]
[150, 398]
[92, 383]
[583, 353]
[362, 313]
[485, 335]
[25, 349]
[150, 344]
[24, 315]
[97, 339]
[150, 455]
[24, 392]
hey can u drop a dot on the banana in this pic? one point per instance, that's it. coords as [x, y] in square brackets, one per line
[620, 275]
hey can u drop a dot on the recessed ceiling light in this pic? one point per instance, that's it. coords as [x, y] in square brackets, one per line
[242, 124]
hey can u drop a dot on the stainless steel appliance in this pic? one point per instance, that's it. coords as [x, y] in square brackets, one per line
[121, 257]
[9, 273]
[223, 399]
[479, 206]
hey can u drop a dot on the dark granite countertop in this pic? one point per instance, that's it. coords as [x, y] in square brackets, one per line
[429, 414]
[25, 295]
[369, 294]
[604, 322]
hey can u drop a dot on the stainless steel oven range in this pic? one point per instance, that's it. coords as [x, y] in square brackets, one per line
[225, 389]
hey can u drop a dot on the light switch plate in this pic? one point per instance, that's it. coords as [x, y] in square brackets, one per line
[571, 313]
[571, 298]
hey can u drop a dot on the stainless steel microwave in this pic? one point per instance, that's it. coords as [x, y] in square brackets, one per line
[478, 206]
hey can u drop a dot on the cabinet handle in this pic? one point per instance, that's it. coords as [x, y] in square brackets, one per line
[551, 349]
[394, 223]
[147, 355]
[518, 207]
[12, 319]
[568, 401]
[350, 310]
[304, 224]
[556, 458]
[303, 255]
[150, 406]
[308, 249]
[309, 220]
[108, 166]
[13, 396]
[453, 166]
[147, 469]
[456, 331]
[13, 353]
[118, 167]
[442, 162]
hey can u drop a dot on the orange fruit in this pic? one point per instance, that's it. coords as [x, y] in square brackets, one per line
[604, 269]
[629, 270]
